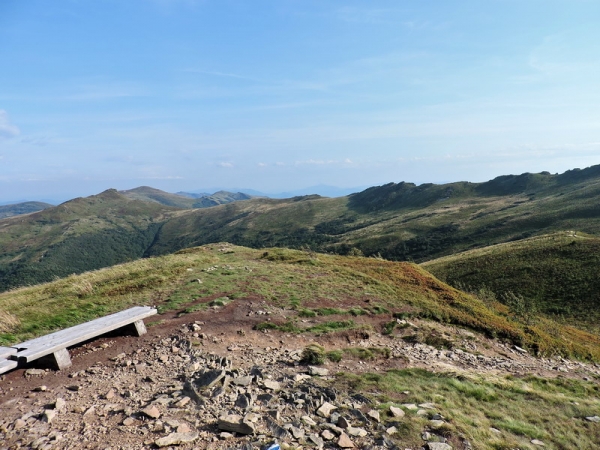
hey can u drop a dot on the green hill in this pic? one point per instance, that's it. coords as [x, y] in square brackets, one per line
[556, 274]
[149, 194]
[22, 208]
[78, 235]
[401, 222]
[300, 280]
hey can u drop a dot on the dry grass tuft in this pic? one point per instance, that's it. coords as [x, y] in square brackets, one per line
[8, 322]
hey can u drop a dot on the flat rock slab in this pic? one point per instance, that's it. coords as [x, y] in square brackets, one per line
[235, 424]
[242, 381]
[435, 424]
[151, 411]
[273, 385]
[438, 446]
[397, 412]
[176, 439]
[320, 371]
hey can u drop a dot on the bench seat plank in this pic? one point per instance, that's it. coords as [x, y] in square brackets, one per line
[7, 364]
[54, 342]
[5, 352]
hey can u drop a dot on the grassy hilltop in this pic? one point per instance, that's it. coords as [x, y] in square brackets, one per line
[300, 280]
[328, 295]
[555, 274]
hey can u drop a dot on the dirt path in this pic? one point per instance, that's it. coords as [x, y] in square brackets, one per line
[115, 377]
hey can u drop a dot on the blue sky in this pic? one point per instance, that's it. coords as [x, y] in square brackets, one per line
[280, 95]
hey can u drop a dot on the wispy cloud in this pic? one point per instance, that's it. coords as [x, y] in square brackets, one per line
[316, 162]
[226, 165]
[7, 129]
[562, 54]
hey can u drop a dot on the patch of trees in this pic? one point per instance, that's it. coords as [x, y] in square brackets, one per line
[436, 241]
[79, 254]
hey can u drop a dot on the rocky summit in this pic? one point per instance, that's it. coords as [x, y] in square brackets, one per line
[206, 387]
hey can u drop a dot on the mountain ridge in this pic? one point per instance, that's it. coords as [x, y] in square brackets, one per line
[398, 221]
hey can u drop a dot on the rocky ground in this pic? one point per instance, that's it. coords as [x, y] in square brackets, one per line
[208, 380]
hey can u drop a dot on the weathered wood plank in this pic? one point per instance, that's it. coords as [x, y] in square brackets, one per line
[5, 352]
[52, 343]
[7, 364]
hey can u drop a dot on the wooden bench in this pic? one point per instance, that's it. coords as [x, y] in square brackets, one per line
[5, 363]
[55, 344]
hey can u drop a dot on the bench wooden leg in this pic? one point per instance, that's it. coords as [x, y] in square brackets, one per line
[139, 328]
[61, 359]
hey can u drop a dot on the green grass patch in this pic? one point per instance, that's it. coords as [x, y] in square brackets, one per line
[551, 410]
[367, 353]
[328, 327]
[334, 355]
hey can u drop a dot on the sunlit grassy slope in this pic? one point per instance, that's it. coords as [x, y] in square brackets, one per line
[558, 274]
[286, 278]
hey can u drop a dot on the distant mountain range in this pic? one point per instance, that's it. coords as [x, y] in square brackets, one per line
[205, 199]
[184, 199]
[397, 221]
[320, 189]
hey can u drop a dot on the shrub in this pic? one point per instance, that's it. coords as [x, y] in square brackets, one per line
[306, 313]
[313, 354]
[388, 327]
[334, 355]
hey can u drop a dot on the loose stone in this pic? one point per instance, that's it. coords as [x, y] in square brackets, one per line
[344, 441]
[176, 439]
[397, 412]
[326, 409]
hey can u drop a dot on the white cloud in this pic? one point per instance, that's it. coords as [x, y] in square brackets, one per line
[7, 129]
[226, 165]
[325, 162]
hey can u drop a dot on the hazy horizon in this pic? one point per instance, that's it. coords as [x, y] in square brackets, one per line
[278, 96]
